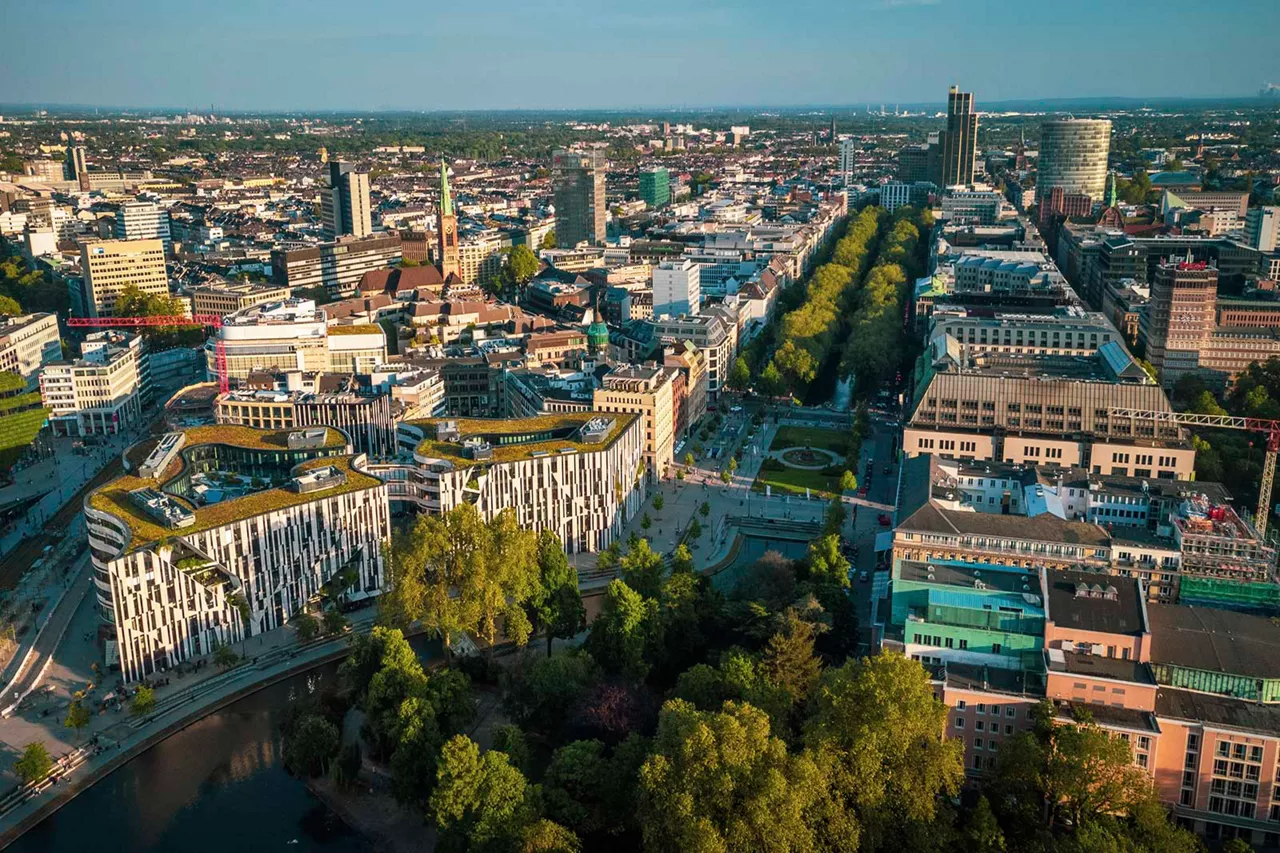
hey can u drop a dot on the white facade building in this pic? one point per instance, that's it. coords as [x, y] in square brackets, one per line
[894, 195]
[849, 150]
[293, 334]
[677, 289]
[143, 220]
[1262, 228]
[99, 393]
[577, 474]
[169, 555]
[28, 343]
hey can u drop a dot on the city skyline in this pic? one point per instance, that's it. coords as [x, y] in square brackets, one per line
[863, 52]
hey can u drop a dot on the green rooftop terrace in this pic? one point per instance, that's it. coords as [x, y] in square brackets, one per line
[514, 428]
[113, 498]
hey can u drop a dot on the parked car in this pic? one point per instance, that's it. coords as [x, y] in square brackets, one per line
[862, 577]
[884, 519]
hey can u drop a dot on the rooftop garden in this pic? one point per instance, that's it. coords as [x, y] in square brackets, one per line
[357, 329]
[468, 427]
[113, 498]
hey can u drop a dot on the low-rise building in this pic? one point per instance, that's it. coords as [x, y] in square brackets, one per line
[99, 393]
[294, 335]
[646, 391]
[1040, 409]
[715, 337]
[27, 343]
[228, 297]
[364, 417]
[337, 266]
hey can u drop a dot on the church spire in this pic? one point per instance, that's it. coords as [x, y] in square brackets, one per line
[446, 200]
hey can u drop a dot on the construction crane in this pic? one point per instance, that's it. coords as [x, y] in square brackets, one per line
[1270, 428]
[213, 321]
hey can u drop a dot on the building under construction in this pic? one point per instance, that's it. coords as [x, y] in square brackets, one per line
[1217, 544]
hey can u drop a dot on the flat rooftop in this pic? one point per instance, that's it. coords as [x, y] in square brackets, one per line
[114, 497]
[1098, 666]
[1212, 710]
[1214, 640]
[514, 428]
[994, 578]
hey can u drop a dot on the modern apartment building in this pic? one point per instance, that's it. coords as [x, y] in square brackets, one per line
[677, 288]
[209, 513]
[579, 181]
[577, 474]
[336, 266]
[647, 391]
[229, 297]
[655, 188]
[27, 343]
[293, 334]
[109, 266]
[959, 139]
[143, 220]
[344, 202]
[99, 393]
[1073, 156]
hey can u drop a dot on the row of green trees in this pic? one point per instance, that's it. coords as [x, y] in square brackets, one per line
[875, 345]
[810, 332]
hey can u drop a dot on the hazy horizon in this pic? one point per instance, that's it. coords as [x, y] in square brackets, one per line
[394, 56]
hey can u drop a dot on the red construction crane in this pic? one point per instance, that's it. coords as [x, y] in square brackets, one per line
[213, 321]
[1270, 428]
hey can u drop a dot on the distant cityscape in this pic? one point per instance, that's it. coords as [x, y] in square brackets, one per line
[995, 395]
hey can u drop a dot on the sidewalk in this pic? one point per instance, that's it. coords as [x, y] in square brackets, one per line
[55, 480]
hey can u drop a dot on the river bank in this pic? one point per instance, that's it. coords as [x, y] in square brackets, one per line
[32, 813]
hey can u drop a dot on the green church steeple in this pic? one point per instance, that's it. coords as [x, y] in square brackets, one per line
[446, 199]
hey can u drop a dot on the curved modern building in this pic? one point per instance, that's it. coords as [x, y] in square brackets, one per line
[579, 474]
[1073, 155]
[211, 515]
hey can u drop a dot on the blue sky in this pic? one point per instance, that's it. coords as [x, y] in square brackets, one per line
[501, 54]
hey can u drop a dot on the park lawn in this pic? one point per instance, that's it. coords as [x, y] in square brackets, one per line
[796, 436]
[795, 480]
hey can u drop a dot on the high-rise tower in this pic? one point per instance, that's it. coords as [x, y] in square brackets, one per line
[447, 232]
[1073, 156]
[75, 168]
[344, 203]
[959, 139]
[578, 178]
[1183, 298]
